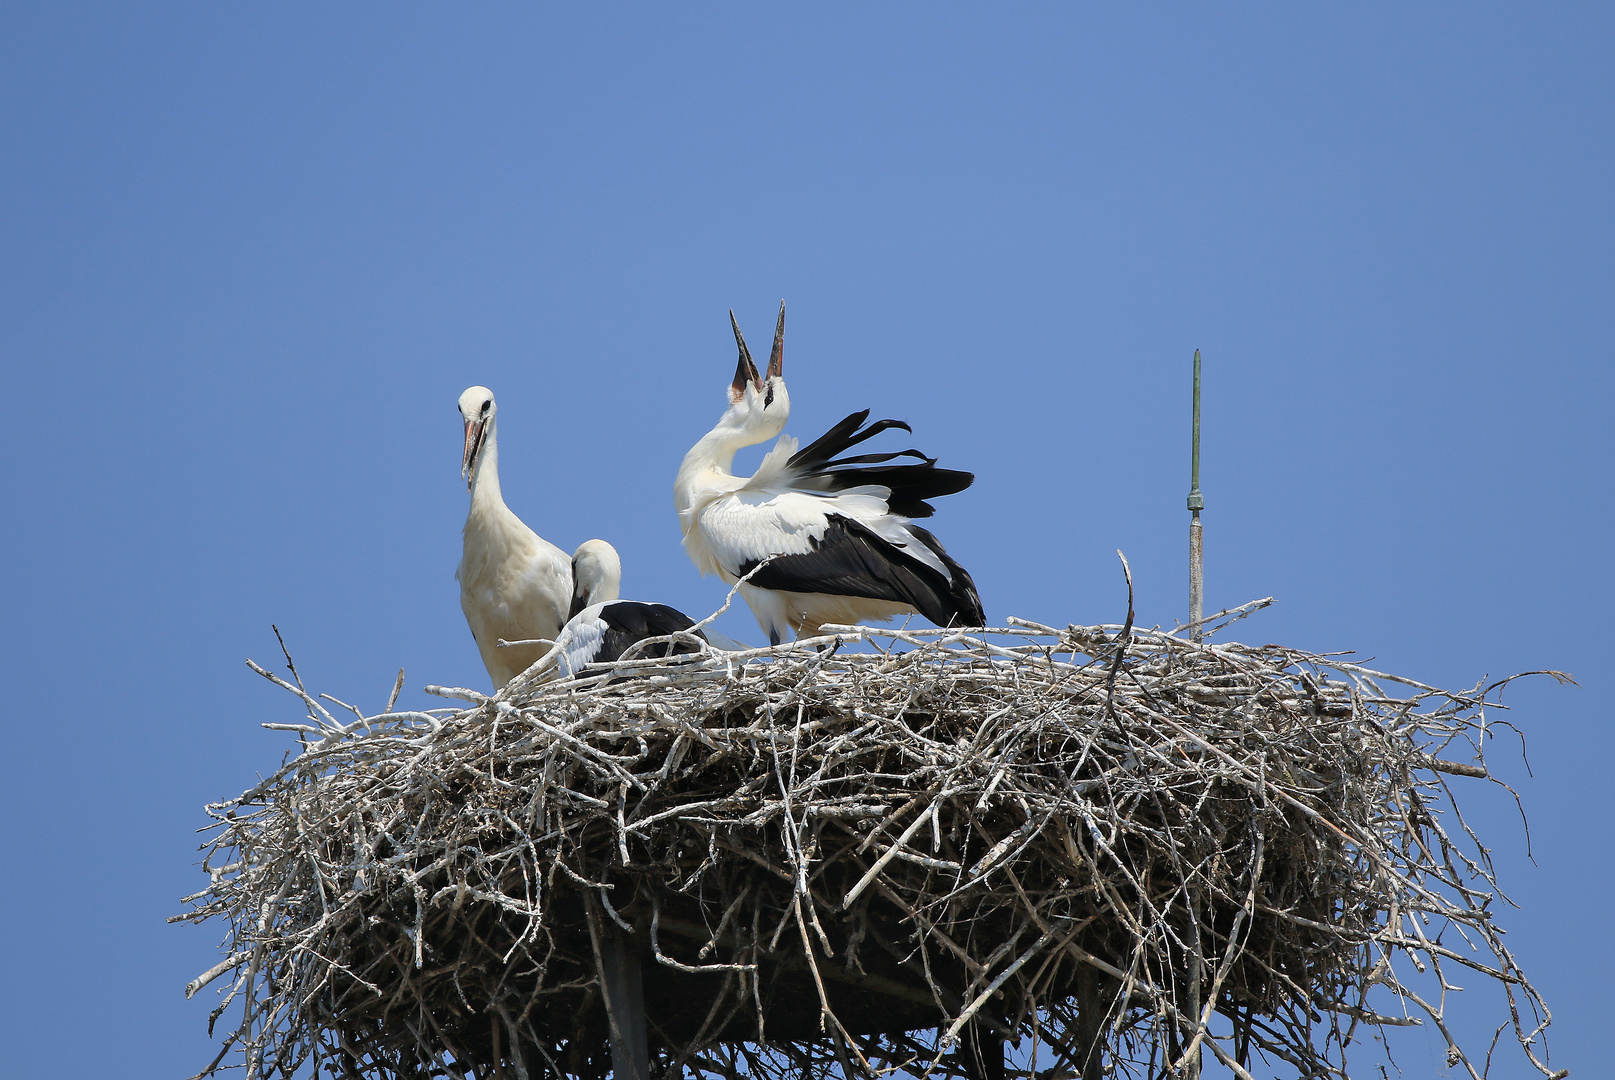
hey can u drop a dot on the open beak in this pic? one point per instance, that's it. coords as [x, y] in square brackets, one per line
[474, 431]
[776, 362]
[745, 370]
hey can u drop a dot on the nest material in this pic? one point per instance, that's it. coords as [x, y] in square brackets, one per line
[1112, 849]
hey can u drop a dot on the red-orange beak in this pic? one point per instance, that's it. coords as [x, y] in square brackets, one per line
[745, 370]
[776, 362]
[474, 432]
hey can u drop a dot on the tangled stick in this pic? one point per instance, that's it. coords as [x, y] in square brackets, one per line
[879, 850]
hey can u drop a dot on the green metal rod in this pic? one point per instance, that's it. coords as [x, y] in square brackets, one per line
[1195, 501]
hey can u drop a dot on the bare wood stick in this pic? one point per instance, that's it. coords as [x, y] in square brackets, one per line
[400, 868]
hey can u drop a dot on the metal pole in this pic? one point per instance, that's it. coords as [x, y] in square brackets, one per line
[1197, 503]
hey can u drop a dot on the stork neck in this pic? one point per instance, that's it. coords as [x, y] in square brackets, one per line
[717, 449]
[485, 472]
[709, 461]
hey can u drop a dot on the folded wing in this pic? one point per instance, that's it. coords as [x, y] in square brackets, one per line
[840, 526]
[601, 633]
[849, 558]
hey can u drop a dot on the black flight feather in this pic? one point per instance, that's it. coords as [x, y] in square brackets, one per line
[850, 559]
[629, 621]
[845, 435]
[816, 468]
[962, 587]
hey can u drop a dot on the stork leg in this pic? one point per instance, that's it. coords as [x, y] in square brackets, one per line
[624, 995]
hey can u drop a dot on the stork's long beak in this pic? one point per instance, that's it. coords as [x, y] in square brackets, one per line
[776, 362]
[474, 431]
[745, 370]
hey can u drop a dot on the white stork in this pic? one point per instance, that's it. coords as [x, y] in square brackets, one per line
[603, 627]
[840, 533]
[514, 584]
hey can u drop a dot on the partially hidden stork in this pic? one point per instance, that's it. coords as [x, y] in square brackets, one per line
[830, 540]
[596, 575]
[603, 627]
[514, 584]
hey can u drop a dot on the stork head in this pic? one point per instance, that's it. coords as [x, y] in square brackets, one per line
[477, 410]
[761, 402]
[596, 575]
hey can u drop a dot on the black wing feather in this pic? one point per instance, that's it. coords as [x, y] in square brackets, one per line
[816, 468]
[630, 621]
[850, 559]
[845, 435]
[962, 587]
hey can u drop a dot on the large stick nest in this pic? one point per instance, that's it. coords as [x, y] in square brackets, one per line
[1113, 849]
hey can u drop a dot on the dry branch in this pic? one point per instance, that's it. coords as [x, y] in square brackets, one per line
[1113, 847]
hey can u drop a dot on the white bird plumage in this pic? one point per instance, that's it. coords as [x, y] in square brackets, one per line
[596, 575]
[514, 584]
[603, 627]
[843, 546]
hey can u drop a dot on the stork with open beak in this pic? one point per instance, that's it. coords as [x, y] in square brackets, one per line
[834, 538]
[514, 584]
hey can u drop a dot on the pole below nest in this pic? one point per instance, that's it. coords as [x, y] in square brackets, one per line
[1197, 503]
[622, 991]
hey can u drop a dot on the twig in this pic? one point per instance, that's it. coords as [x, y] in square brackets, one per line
[964, 820]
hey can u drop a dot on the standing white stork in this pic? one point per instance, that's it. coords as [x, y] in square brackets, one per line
[514, 584]
[838, 534]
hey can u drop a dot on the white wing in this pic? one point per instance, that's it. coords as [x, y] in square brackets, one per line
[744, 528]
[579, 643]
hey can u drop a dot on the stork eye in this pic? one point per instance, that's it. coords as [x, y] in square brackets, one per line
[485, 405]
[768, 398]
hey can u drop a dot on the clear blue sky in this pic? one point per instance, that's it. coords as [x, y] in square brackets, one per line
[251, 255]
